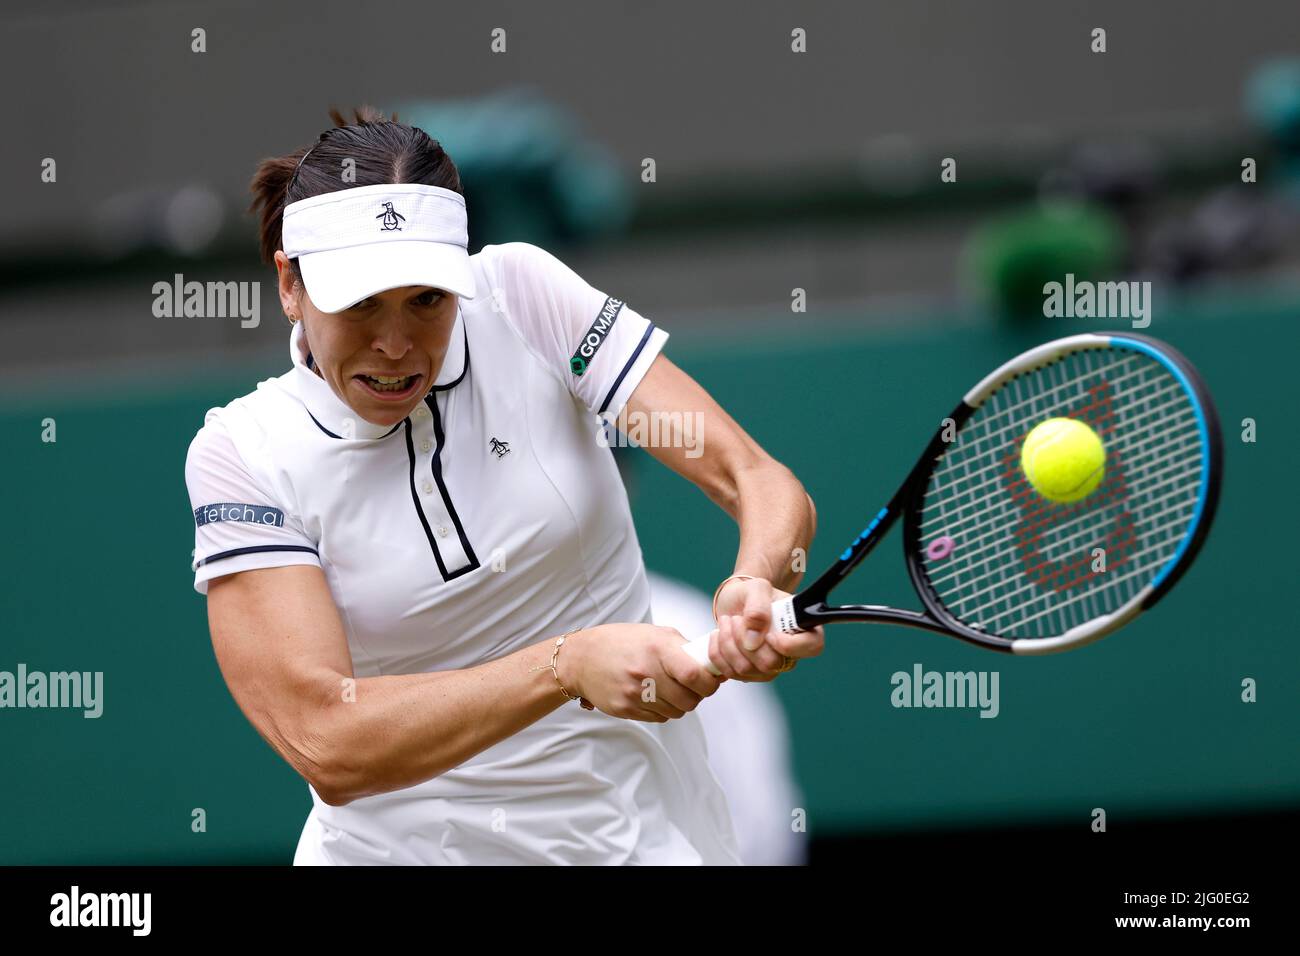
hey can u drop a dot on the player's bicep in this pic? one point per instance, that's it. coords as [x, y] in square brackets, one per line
[282, 650]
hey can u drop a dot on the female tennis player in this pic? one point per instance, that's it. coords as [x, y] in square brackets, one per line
[424, 587]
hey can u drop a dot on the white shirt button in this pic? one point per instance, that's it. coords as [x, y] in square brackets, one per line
[442, 531]
[421, 411]
[426, 445]
[428, 487]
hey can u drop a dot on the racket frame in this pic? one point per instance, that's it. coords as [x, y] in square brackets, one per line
[810, 608]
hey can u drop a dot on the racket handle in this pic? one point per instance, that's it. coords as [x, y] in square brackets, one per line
[699, 649]
[782, 620]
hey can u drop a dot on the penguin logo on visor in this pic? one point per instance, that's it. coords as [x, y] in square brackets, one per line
[390, 217]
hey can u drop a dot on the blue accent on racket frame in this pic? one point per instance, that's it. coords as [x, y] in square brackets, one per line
[866, 533]
[1202, 429]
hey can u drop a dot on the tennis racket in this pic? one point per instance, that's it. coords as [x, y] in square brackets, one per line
[997, 564]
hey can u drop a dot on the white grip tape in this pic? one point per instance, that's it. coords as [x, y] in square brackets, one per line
[783, 616]
[782, 620]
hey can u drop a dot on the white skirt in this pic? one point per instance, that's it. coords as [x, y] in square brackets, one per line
[576, 787]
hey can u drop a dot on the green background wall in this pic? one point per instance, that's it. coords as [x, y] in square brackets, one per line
[95, 576]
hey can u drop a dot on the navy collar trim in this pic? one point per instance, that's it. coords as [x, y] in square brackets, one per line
[464, 368]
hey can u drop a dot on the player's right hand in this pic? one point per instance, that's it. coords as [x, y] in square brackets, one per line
[634, 671]
[745, 644]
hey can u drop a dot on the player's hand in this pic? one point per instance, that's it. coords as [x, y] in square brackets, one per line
[746, 646]
[634, 671]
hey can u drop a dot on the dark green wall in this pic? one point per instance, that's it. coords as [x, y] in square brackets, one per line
[96, 577]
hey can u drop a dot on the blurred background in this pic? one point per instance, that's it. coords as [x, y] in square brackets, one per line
[775, 171]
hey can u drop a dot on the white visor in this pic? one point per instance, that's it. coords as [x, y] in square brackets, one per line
[356, 242]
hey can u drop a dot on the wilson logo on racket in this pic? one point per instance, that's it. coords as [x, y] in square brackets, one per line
[1048, 528]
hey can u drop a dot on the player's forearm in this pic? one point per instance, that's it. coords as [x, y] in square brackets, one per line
[403, 729]
[777, 522]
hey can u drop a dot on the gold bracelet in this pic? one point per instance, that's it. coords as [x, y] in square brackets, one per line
[559, 642]
[734, 577]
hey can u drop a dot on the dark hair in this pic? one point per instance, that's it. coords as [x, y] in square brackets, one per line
[381, 151]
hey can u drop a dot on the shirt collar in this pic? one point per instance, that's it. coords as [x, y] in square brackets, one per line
[335, 417]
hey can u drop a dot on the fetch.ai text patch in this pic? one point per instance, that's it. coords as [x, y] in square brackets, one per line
[231, 511]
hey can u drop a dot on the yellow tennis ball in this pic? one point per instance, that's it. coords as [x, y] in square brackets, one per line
[1063, 459]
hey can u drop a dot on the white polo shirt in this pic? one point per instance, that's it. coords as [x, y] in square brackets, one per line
[489, 520]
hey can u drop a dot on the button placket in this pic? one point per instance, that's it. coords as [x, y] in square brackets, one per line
[453, 554]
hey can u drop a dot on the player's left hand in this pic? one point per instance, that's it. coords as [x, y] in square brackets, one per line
[745, 645]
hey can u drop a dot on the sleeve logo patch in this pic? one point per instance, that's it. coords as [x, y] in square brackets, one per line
[595, 336]
[230, 511]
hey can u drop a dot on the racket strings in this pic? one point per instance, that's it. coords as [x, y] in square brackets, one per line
[1021, 566]
[1124, 372]
[987, 491]
[1042, 574]
[1083, 531]
[1023, 420]
[1115, 559]
[990, 474]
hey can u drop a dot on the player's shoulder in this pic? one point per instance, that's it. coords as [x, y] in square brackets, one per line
[518, 270]
[523, 292]
[514, 255]
[248, 418]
